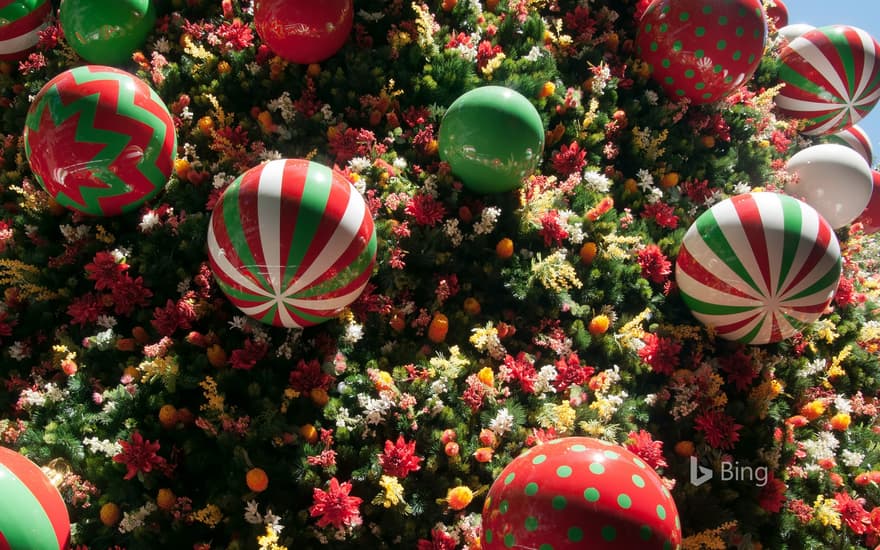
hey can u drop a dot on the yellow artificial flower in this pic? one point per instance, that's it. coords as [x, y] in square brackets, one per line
[393, 491]
[825, 512]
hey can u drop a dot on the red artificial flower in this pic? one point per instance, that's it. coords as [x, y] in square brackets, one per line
[656, 267]
[739, 369]
[719, 429]
[521, 369]
[570, 372]
[129, 294]
[425, 209]
[236, 36]
[642, 444]
[475, 392]
[85, 309]
[308, 376]
[486, 52]
[440, 540]
[696, 190]
[581, 25]
[139, 456]
[569, 159]
[399, 459]
[175, 315]
[596, 212]
[660, 353]
[552, 230]
[772, 495]
[246, 358]
[852, 512]
[351, 142]
[845, 295]
[105, 270]
[335, 506]
[663, 215]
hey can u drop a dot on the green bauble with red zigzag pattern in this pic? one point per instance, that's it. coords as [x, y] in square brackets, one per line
[32, 514]
[100, 140]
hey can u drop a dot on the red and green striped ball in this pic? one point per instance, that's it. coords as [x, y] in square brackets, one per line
[758, 267]
[100, 140]
[856, 139]
[20, 25]
[32, 514]
[831, 76]
[291, 243]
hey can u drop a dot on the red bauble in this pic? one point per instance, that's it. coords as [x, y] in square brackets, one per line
[579, 492]
[870, 218]
[702, 50]
[304, 31]
[778, 13]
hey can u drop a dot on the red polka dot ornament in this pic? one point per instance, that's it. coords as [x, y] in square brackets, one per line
[702, 50]
[579, 492]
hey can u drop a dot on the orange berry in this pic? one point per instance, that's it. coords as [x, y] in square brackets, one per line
[504, 248]
[588, 252]
[472, 306]
[685, 448]
[110, 514]
[449, 4]
[166, 499]
[451, 448]
[484, 454]
[397, 322]
[140, 334]
[314, 70]
[459, 497]
[630, 185]
[257, 480]
[319, 396]
[132, 372]
[206, 125]
[309, 432]
[438, 328]
[840, 422]
[548, 89]
[125, 344]
[599, 325]
[181, 167]
[708, 141]
[486, 376]
[216, 355]
[168, 416]
[224, 67]
[669, 179]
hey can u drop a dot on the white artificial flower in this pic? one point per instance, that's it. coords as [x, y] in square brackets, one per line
[502, 423]
[851, 459]
[252, 513]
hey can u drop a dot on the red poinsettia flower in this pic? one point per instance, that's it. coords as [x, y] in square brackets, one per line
[852, 512]
[139, 455]
[336, 506]
[642, 444]
[440, 540]
[399, 459]
[719, 428]
[656, 267]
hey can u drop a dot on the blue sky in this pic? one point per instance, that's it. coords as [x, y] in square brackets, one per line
[864, 14]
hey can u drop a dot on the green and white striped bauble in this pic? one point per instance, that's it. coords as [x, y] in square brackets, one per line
[292, 243]
[758, 267]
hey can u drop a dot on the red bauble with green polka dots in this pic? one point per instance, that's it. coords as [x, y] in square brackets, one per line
[579, 492]
[702, 50]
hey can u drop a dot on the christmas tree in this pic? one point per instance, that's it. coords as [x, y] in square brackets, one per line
[491, 322]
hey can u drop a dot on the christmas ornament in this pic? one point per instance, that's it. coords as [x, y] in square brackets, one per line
[831, 76]
[702, 49]
[870, 217]
[32, 514]
[104, 32]
[758, 267]
[778, 13]
[100, 140]
[301, 31]
[834, 179]
[579, 492]
[493, 138]
[291, 243]
[790, 32]
[20, 24]
[856, 139]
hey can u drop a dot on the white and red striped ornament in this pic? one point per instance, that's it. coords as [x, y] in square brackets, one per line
[291, 243]
[856, 139]
[20, 24]
[758, 267]
[831, 76]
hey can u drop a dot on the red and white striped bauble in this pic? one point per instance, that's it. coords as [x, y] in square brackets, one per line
[831, 76]
[291, 243]
[20, 24]
[856, 139]
[758, 267]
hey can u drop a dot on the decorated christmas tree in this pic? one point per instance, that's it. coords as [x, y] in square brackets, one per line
[299, 275]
